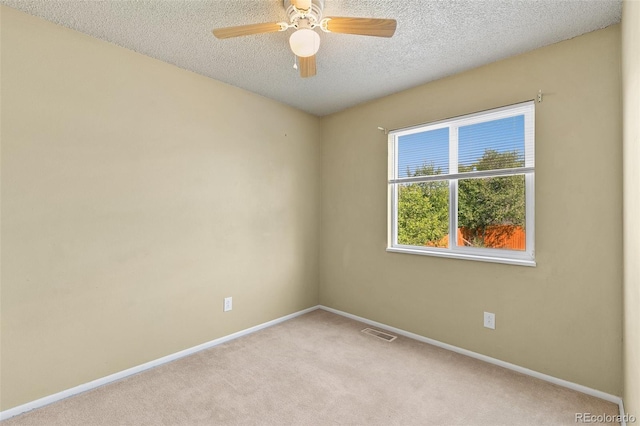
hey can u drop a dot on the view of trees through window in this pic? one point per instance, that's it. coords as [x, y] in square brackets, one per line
[462, 187]
[491, 210]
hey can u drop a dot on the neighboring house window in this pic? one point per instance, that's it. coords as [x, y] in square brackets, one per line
[464, 187]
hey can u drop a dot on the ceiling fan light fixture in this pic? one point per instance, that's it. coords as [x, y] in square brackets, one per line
[304, 42]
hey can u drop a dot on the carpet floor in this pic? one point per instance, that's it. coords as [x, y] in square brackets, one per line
[319, 369]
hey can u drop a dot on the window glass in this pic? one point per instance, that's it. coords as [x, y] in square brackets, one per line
[491, 212]
[424, 153]
[496, 144]
[423, 214]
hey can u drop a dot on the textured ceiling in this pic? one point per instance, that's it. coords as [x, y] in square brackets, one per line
[433, 39]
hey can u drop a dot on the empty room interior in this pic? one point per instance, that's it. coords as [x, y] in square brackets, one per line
[196, 228]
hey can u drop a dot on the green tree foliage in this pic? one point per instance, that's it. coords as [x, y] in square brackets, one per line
[423, 208]
[485, 202]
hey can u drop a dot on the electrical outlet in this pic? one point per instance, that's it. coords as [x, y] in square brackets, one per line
[490, 320]
[228, 304]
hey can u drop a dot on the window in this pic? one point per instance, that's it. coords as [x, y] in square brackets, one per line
[464, 187]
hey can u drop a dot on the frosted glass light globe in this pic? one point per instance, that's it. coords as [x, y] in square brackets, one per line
[304, 42]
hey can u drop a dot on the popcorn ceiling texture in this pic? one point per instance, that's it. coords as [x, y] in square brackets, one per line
[434, 39]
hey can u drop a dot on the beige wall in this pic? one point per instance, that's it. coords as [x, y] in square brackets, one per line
[631, 155]
[562, 317]
[135, 197]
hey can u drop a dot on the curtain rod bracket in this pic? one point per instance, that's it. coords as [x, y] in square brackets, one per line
[539, 95]
[382, 129]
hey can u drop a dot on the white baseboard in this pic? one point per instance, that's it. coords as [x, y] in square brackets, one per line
[623, 422]
[134, 370]
[147, 365]
[560, 382]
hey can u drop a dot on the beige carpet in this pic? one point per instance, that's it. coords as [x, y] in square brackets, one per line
[319, 369]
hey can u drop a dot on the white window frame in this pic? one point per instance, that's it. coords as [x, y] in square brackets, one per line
[514, 257]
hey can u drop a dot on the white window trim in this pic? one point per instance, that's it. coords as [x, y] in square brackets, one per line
[512, 257]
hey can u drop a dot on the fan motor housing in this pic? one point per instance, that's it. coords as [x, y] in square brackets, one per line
[319, 3]
[313, 15]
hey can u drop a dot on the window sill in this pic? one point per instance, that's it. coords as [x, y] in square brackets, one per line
[451, 255]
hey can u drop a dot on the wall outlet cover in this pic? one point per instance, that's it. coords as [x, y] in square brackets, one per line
[490, 320]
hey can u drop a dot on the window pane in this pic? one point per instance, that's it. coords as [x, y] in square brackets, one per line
[491, 212]
[497, 144]
[423, 154]
[423, 214]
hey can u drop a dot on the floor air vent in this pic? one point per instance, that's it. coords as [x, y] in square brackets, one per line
[380, 334]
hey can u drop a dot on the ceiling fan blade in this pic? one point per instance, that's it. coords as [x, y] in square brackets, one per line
[245, 30]
[362, 26]
[307, 66]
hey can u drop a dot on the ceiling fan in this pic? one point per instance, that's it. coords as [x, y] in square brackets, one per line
[305, 16]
